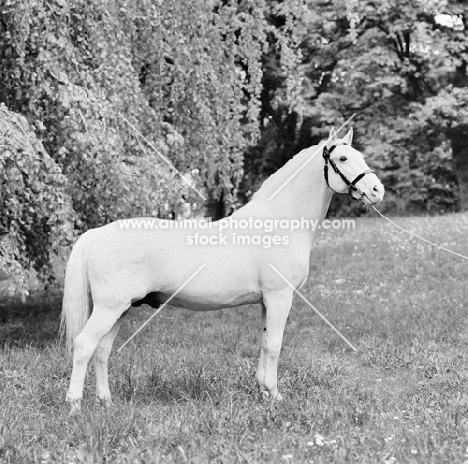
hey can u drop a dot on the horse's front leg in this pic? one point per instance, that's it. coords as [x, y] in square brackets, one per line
[260, 375]
[277, 306]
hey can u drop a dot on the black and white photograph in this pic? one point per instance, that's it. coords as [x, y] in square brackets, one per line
[233, 231]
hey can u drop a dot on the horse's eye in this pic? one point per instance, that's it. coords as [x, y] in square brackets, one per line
[343, 159]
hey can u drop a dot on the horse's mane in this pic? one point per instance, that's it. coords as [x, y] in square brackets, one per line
[273, 182]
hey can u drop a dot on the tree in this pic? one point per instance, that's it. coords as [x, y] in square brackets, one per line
[37, 215]
[400, 68]
[107, 88]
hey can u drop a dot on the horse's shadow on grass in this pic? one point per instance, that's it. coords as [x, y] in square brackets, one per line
[191, 385]
[34, 323]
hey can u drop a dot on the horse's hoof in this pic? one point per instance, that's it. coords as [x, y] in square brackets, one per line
[104, 402]
[277, 397]
[271, 396]
[75, 407]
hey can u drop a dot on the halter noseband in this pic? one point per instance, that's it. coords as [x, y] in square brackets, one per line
[352, 189]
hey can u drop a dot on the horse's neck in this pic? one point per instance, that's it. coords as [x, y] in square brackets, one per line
[306, 195]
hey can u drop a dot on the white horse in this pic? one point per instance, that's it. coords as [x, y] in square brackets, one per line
[123, 267]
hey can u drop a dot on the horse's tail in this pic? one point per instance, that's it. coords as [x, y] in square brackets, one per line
[75, 307]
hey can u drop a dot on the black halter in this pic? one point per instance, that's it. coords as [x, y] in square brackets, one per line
[352, 189]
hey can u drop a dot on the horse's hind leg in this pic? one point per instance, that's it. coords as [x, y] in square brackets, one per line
[101, 356]
[100, 323]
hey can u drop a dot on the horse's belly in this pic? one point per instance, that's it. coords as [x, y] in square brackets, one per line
[212, 302]
[216, 290]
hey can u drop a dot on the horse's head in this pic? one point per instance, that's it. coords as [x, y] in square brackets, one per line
[346, 171]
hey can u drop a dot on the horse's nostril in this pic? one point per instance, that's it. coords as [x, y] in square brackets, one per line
[375, 189]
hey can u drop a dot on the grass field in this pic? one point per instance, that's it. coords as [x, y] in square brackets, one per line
[184, 389]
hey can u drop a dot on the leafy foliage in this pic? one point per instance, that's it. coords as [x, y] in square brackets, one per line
[111, 89]
[402, 68]
[232, 88]
[36, 210]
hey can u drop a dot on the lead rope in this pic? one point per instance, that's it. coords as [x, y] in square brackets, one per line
[418, 236]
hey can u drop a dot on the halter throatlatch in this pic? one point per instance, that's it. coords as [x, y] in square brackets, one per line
[352, 189]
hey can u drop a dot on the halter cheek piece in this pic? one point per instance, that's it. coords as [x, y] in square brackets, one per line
[352, 189]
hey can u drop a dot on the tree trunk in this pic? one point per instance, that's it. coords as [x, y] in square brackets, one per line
[216, 209]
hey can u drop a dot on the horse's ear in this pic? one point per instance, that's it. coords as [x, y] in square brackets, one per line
[332, 135]
[348, 138]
